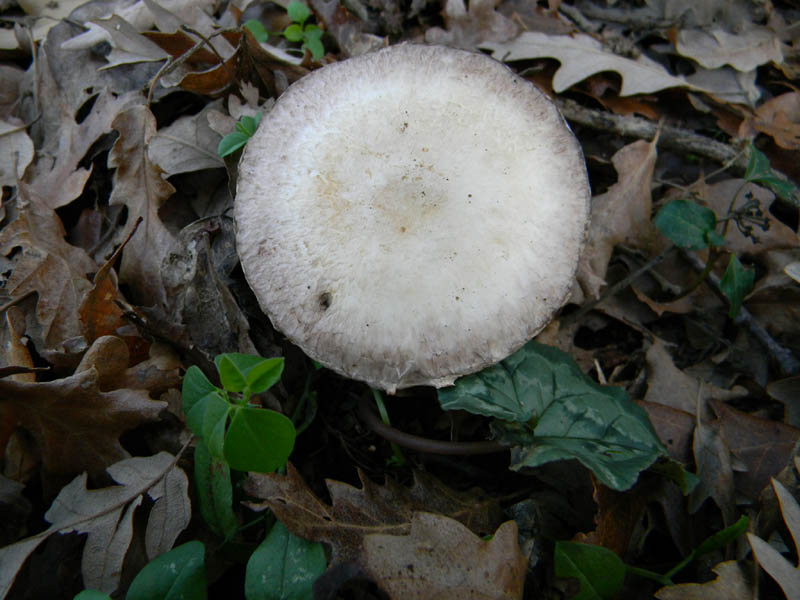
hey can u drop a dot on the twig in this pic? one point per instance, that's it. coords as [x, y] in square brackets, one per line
[421, 444]
[787, 363]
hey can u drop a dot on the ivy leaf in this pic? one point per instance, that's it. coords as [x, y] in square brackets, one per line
[283, 567]
[759, 171]
[688, 224]
[258, 439]
[736, 283]
[599, 571]
[179, 573]
[298, 12]
[571, 416]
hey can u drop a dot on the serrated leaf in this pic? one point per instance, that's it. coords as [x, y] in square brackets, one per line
[687, 224]
[736, 283]
[214, 492]
[293, 33]
[180, 574]
[258, 440]
[283, 567]
[256, 27]
[599, 571]
[571, 415]
[298, 12]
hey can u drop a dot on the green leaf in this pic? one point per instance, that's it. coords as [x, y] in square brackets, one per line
[92, 595]
[195, 387]
[230, 375]
[571, 415]
[736, 283]
[248, 125]
[687, 223]
[214, 421]
[264, 375]
[674, 471]
[293, 33]
[231, 143]
[298, 12]
[315, 46]
[214, 492]
[599, 571]
[179, 574]
[283, 567]
[258, 440]
[722, 538]
[257, 29]
[759, 171]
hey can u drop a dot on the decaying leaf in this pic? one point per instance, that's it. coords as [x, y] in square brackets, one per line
[75, 424]
[743, 50]
[50, 267]
[373, 509]
[17, 151]
[779, 117]
[714, 468]
[188, 144]
[734, 582]
[440, 558]
[106, 515]
[469, 27]
[621, 215]
[580, 56]
[139, 185]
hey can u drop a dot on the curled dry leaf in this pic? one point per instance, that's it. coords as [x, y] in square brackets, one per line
[373, 509]
[440, 558]
[621, 215]
[139, 185]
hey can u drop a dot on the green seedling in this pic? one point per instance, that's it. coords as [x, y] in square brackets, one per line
[299, 31]
[245, 129]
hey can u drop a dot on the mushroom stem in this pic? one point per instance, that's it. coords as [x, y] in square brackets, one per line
[421, 444]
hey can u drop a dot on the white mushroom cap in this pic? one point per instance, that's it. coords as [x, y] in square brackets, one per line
[412, 215]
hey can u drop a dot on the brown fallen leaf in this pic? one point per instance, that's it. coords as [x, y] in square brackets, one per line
[259, 67]
[355, 513]
[345, 28]
[139, 185]
[764, 446]
[621, 215]
[734, 582]
[714, 469]
[75, 424]
[17, 151]
[468, 27]
[743, 50]
[49, 267]
[442, 559]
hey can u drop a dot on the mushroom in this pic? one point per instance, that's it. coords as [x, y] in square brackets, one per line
[411, 215]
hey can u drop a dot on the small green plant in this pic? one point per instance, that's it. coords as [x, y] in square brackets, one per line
[256, 439]
[695, 227]
[245, 129]
[299, 31]
[601, 573]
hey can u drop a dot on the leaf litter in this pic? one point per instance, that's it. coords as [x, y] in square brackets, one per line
[118, 119]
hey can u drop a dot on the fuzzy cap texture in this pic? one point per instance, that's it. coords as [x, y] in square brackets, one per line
[411, 215]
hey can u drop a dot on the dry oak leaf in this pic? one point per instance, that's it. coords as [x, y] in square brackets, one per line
[744, 50]
[580, 56]
[139, 185]
[620, 215]
[779, 118]
[443, 560]
[48, 266]
[373, 509]
[106, 515]
[734, 582]
[76, 425]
